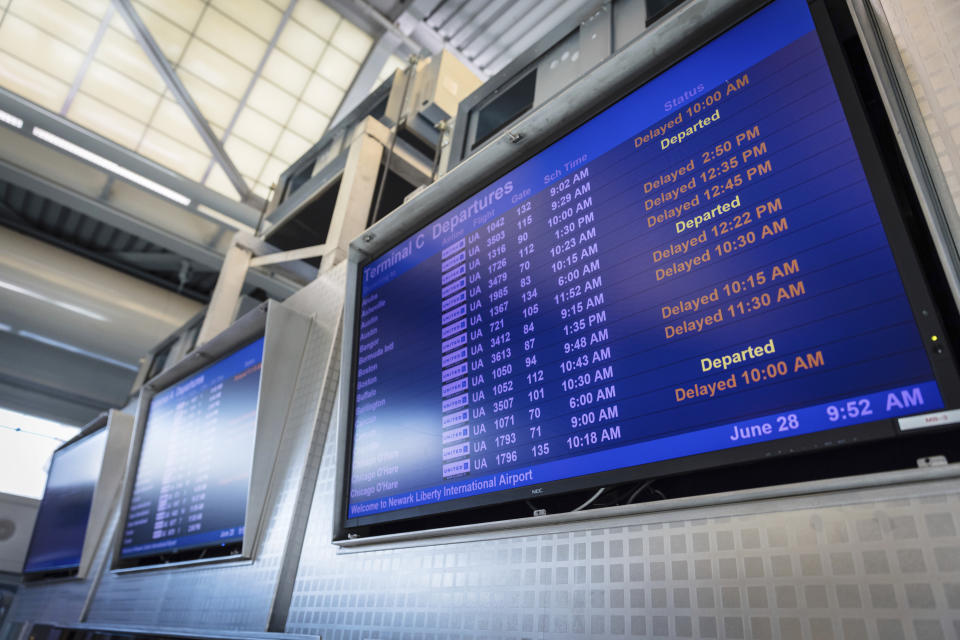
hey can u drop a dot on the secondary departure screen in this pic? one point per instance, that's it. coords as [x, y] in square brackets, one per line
[699, 267]
[193, 476]
[64, 513]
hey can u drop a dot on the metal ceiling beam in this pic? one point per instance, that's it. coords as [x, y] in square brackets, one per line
[87, 60]
[47, 372]
[201, 198]
[412, 24]
[179, 91]
[130, 222]
[154, 261]
[13, 221]
[374, 14]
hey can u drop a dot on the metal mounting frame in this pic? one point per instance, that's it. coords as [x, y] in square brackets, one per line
[357, 168]
[285, 334]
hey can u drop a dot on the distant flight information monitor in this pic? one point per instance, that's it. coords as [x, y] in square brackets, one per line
[702, 266]
[61, 524]
[193, 474]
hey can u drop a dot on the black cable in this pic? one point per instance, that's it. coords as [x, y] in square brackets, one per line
[633, 496]
[590, 500]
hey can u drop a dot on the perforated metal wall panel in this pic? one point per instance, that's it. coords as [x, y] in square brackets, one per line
[877, 563]
[926, 35]
[61, 602]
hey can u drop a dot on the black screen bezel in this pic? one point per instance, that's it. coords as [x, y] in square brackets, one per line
[931, 318]
[190, 553]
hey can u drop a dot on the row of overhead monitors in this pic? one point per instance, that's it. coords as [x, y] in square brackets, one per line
[196, 460]
[723, 263]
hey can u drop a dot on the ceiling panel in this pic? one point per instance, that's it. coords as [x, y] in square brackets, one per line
[323, 95]
[122, 53]
[272, 170]
[259, 16]
[219, 182]
[183, 13]
[216, 68]
[169, 36]
[173, 154]
[94, 8]
[286, 72]
[257, 129]
[230, 38]
[271, 100]
[266, 75]
[106, 120]
[171, 120]
[42, 50]
[248, 158]
[262, 190]
[120, 91]
[217, 106]
[301, 44]
[65, 21]
[317, 17]
[338, 68]
[31, 83]
[352, 40]
[290, 146]
[308, 122]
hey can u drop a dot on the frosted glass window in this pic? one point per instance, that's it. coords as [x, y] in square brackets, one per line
[352, 40]
[257, 15]
[317, 17]
[26, 445]
[56, 17]
[183, 13]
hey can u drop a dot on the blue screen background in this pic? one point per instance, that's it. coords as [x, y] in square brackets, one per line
[61, 524]
[193, 475]
[574, 317]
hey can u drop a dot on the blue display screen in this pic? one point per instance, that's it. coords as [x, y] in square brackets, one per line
[699, 267]
[193, 475]
[61, 524]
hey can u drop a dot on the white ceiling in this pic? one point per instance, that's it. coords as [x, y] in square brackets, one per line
[267, 104]
[267, 76]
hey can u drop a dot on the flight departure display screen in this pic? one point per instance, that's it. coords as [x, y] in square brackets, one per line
[193, 476]
[701, 266]
[61, 524]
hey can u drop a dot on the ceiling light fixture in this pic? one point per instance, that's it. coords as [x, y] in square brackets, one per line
[11, 119]
[110, 166]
